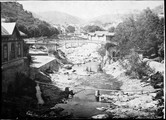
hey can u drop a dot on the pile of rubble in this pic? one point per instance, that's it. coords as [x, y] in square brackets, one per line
[83, 54]
[128, 105]
[142, 99]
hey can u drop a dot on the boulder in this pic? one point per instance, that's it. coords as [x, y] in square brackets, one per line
[158, 67]
[68, 66]
[100, 116]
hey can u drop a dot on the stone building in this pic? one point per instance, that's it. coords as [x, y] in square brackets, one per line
[101, 36]
[12, 53]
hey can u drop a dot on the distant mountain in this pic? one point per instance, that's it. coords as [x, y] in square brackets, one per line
[112, 18]
[159, 9]
[56, 17]
[33, 27]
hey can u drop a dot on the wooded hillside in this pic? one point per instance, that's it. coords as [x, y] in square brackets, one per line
[33, 27]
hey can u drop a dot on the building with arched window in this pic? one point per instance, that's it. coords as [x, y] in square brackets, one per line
[12, 53]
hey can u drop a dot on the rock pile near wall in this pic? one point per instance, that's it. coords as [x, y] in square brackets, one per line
[136, 104]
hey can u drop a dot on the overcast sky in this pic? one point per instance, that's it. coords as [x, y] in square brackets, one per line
[88, 9]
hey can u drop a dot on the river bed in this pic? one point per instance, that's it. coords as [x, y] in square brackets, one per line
[83, 104]
[85, 79]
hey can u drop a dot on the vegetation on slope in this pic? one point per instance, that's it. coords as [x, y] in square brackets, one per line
[145, 33]
[33, 27]
[92, 28]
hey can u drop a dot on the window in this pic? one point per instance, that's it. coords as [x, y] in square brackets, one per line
[5, 52]
[19, 50]
[12, 54]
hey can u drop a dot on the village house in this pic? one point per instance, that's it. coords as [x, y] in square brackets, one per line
[101, 36]
[12, 53]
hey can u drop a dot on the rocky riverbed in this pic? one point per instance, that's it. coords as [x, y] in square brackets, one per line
[120, 96]
[70, 92]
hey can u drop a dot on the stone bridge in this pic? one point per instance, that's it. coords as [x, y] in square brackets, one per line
[77, 43]
[66, 43]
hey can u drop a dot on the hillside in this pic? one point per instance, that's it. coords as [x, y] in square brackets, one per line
[159, 9]
[33, 27]
[110, 18]
[56, 17]
[113, 18]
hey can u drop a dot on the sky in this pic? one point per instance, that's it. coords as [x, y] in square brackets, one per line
[88, 9]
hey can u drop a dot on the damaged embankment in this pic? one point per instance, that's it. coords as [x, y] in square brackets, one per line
[126, 103]
[137, 97]
[27, 97]
[142, 87]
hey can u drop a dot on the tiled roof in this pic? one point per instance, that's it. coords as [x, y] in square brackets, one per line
[101, 33]
[4, 31]
[7, 28]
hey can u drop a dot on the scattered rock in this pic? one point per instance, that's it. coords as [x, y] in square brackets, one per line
[100, 116]
[101, 108]
[68, 66]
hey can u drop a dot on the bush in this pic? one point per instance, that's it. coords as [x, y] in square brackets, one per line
[135, 67]
[157, 80]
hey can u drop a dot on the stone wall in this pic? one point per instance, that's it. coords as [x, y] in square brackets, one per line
[9, 71]
[53, 65]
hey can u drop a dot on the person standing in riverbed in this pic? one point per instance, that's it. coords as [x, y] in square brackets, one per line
[97, 95]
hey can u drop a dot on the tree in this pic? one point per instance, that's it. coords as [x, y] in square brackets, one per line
[102, 51]
[92, 28]
[144, 33]
[111, 29]
[33, 27]
[70, 29]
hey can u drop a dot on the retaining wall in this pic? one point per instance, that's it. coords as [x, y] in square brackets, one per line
[9, 71]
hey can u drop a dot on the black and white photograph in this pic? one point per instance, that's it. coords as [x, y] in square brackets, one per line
[85, 59]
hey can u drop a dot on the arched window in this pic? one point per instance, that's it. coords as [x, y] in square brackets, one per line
[5, 52]
[12, 51]
[19, 50]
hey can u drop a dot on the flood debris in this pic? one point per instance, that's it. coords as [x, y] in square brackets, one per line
[122, 104]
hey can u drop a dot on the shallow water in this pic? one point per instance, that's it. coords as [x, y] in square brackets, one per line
[84, 104]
